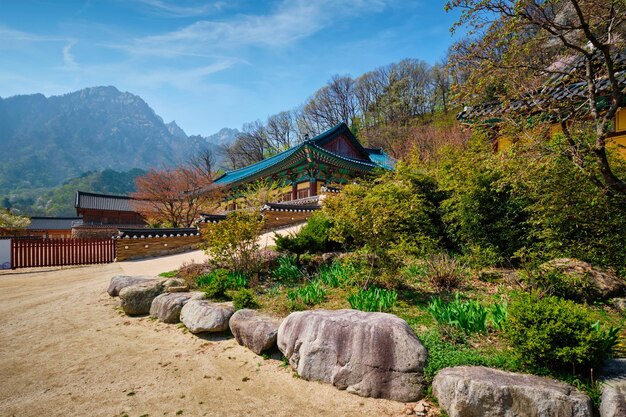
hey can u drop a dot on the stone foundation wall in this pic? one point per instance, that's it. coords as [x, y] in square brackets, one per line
[136, 248]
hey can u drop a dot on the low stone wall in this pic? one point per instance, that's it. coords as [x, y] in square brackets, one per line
[136, 248]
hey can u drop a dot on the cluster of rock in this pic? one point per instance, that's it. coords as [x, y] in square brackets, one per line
[369, 354]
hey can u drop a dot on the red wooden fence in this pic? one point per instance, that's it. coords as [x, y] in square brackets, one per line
[61, 252]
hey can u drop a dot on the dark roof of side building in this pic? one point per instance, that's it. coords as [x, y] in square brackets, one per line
[52, 223]
[85, 200]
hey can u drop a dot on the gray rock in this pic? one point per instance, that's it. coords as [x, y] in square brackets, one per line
[620, 304]
[472, 391]
[205, 316]
[613, 401]
[254, 330]
[166, 307]
[137, 299]
[122, 281]
[369, 354]
[177, 283]
[605, 283]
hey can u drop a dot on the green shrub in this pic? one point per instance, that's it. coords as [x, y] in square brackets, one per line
[469, 315]
[244, 298]
[308, 295]
[395, 213]
[233, 242]
[373, 299]
[219, 282]
[556, 333]
[312, 238]
[337, 274]
[287, 269]
[551, 281]
[444, 272]
[169, 274]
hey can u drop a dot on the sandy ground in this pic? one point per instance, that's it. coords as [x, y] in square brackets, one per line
[66, 350]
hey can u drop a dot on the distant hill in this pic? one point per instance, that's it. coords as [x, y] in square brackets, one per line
[59, 201]
[60, 137]
[46, 141]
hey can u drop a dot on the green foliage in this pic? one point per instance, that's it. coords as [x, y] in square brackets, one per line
[10, 221]
[469, 315]
[59, 200]
[395, 213]
[244, 298]
[233, 242]
[287, 269]
[337, 274]
[484, 219]
[551, 281]
[568, 216]
[169, 274]
[373, 299]
[556, 333]
[219, 282]
[444, 272]
[307, 295]
[444, 354]
[312, 238]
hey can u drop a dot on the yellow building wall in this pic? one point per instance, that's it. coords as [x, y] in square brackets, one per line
[618, 143]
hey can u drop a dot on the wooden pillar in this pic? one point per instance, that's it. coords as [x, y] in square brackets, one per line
[294, 191]
[312, 187]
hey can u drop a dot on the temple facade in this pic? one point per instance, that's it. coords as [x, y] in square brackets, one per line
[326, 161]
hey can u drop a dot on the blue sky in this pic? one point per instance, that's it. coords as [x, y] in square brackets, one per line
[216, 64]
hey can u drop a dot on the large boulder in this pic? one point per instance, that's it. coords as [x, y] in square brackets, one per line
[166, 307]
[137, 299]
[606, 284]
[369, 354]
[472, 391]
[206, 316]
[122, 281]
[254, 330]
[613, 401]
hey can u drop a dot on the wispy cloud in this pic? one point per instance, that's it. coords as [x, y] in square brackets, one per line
[174, 10]
[290, 21]
[68, 58]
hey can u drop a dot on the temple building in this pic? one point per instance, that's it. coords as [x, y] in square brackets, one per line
[307, 171]
[332, 158]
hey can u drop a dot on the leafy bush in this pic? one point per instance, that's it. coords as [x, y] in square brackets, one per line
[169, 274]
[556, 333]
[287, 269]
[444, 272]
[373, 299]
[390, 215]
[312, 238]
[219, 282]
[484, 218]
[308, 295]
[469, 315]
[233, 242]
[337, 274]
[244, 298]
[551, 281]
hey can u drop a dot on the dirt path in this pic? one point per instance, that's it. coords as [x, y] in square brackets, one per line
[65, 350]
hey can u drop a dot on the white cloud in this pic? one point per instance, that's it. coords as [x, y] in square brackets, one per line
[290, 21]
[174, 10]
[68, 58]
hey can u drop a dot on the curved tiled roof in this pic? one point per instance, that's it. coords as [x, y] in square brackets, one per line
[375, 158]
[96, 201]
[52, 223]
